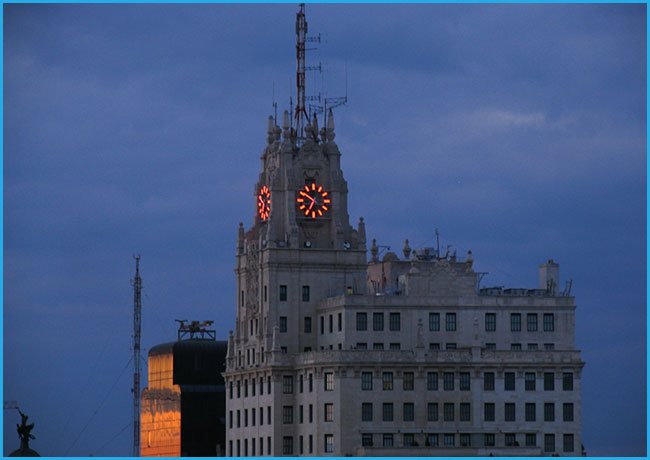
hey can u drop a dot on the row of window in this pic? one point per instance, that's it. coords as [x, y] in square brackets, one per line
[394, 322]
[468, 440]
[245, 453]
[253, 387]
[238, 421]
[515, 322]
[283, 293]
[288, 448]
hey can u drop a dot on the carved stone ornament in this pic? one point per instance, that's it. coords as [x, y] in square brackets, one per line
[252, 278]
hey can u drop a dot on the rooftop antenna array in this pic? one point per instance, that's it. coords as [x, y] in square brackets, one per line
[137, 312]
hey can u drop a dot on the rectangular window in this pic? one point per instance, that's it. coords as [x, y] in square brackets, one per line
[387, 412]
[394, 322]
[239, 388]
[465, 440]
[322, 325]
[283, 293]
[268, 384]
[465, 412]
[311, 382]
[253, 416]
[394, 346]
[568, 443]
[366, 380]
[261, 386]
[230, 417]
[307, 324]
[434, 321]
[509, 412]
[567, 381]
[530, 412]
[287, 384]
[329, 443]
[515, 347]
[509, 381]
[532, 347]
[287, 445]
[408, 439]
[362, 321]
[339, 321]
[268, 415]
[300, 383]
[549, 323]
[434, 346]
[408, 412]
[488, 381]
[253, 381]
[448, 381]
[432, 412]
[432, 440]
[549, 443]
[366, 412]
[265, 295]
[377, 346]
[531, 439]
[450, 346]
[302, 450]
[329, 412]
[268, 445]
[305, 293]
[311, 413]
[231, 386]
[311, 444]
[549, 381]
[549, 412]
[287, 414]
[448, 412]
[331, 323]
[387, 440]
[488, 412]
[238, 418]
[362, 346]
[366, 439]
[432, 381]
[567, 410]
[377, 321]
[510, 439]
[490, 322]
[515, 322]
[529, 381]
[245, 447]
[531, 322]
[408, 381]
[450, 439]
[261, 416]
[283, 324]
[490, 346]
[549, 346]
[464, 381]
[329, 381]
[387, 380]
[450, 321]
[488, 439]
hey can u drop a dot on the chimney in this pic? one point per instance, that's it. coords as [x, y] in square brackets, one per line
[549, 277]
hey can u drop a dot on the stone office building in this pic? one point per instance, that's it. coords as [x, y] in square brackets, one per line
[333, 355]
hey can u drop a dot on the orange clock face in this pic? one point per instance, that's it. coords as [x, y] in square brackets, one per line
[264, 203]
[313, 201]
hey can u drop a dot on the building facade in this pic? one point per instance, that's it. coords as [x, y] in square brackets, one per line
[332, 355]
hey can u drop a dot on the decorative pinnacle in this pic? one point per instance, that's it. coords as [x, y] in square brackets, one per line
[330, 126]
[269, 130]
[285, 125]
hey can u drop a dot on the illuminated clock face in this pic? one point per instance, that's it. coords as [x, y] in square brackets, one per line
[264, 203]
[313, 201]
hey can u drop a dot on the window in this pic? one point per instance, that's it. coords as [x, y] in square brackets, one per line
[509, 412]
[377, 321]
[322, 325]
[387, 412]
[311, 382]
[388, 381]
[450, 346]
[387, 440]
[567, 410]
[331, 324]
[530, 412]
[287, 384]
[408, 381]
[230, 419]
[329, 381]
[311, 413]
[464, 381]
[305, 293]
[490, 322]
[450, 321]
[510, 439]
[301, 414]
[253, 386]
[465, 440]
[245, 447]
[238, 418]
[366, 439]
[529, 379]
[366, 380]
[432, 381]
[549, 381]
[515, 346]
[377, 346]
[287, 414]
[567, 381]
[307, 324]
[531, 322]
[366, 412]
[329, 443]
[231, 386]
[488, 412]
[568, 443]
[408, 412]
[339, 321]
[261, 386]
[261, 416]
[268, 384]
[448, 412]
[549, 412]
[300, 383]
[509, 381]
[362, 321]
[549, 346]
[531, 439]
[302, 450]
[488, 439]
[362, 346]
[287, 445]
[448, 381]
[394, 346]
[268, 415]
[283, 350]
[488, 381]
[239, 388]
[434, 321]
[434, 346]
[268, 444]
[549, 323]
[394, 322]
[515, 322]
[283, 293]
[408, 439]
[329, 412]
[253, 416]
[465, 412]
[450, 439]
[490, 346]
[283, 324]
[549, 443]
[532, 346]
[432, 412]
[432, 440]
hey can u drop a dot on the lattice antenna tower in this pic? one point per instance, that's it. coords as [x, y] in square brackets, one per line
[137, 325]
[301, 114]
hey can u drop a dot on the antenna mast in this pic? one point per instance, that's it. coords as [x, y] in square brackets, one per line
[137, 312]
[301, 35]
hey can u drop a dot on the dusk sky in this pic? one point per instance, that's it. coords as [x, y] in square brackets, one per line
[517, 130]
